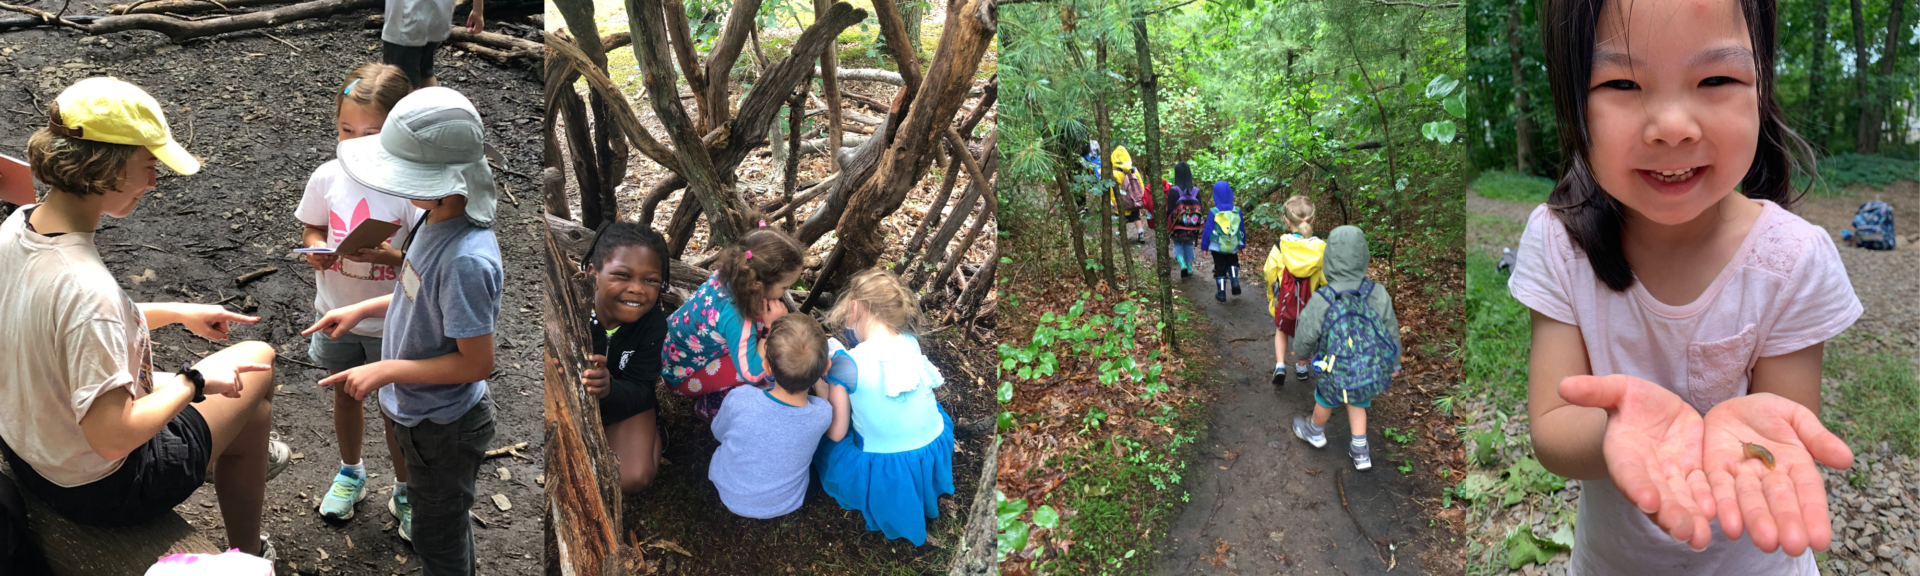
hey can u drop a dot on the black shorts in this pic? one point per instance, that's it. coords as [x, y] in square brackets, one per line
[154, 478]
[1133, 216]
[642, 396]
[416, 61]
[1223, 263]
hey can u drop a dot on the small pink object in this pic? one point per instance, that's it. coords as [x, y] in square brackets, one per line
[763, 223]
[749, 254]
[231, 563]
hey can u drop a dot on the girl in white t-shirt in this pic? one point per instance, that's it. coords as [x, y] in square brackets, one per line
[333, 206]
[1674, 320]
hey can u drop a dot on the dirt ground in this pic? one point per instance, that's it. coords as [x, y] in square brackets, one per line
[1268, 503]
[266, 106]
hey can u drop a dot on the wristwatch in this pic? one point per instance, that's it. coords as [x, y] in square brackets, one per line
[199, 382]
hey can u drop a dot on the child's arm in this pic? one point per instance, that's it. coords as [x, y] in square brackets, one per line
[1566, 438]
[1306, 330]
[473, 362]
[835, 395]
[1206, 232]
[337, 322]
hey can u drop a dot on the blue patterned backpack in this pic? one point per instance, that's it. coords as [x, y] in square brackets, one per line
[1356, 356]
[1873, 226]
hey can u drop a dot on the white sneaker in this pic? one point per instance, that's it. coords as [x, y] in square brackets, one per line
[1304, 429]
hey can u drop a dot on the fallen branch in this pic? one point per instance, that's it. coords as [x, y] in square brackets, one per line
[867, 75]
[179, 30]
[249, 277]
[505, 450]
[187, 6]
[43, 16]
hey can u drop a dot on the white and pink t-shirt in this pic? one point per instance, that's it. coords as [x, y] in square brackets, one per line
[337, 202]
[1784, 290]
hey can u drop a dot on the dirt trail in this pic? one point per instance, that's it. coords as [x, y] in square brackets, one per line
[1266, 502]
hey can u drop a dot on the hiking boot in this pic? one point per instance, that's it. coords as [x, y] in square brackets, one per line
[1279, 376]
[1220, 295]
[1362, 457]
[1303, 428]
[349, 488]
[1236, 286]
[402, 511]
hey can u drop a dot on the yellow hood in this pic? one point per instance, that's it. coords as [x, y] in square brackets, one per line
[1296, 255]
[1122, 163]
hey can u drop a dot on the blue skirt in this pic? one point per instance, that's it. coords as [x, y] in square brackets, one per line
[897, 492]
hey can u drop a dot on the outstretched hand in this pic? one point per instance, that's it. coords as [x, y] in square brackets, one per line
[1782, 502]
[1653, 451]
[360, 381]
[210, 321]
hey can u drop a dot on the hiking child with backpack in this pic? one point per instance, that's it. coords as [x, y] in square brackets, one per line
[1349, 331]
[1293, 271]
[1130, 197]
[1225, 235]
[1189, 217]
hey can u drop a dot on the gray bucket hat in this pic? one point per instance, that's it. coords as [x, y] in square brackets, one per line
[431, 146]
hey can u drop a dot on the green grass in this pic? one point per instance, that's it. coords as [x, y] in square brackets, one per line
[1879, 397]
[1497, 338]
[1513, 186]
[1845, 170]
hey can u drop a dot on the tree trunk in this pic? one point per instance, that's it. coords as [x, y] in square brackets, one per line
[793, 142]
[830, 86]
[1161, 223]
[1862, 96]
[933, 211]
[609, 150]
[1076, 229]
[1875, 108]
[1522, 121]
[727, 217]
[1102, 197]
[1817, 79]
[720, 59]
[586, 170]
[583, 478]
[963, 43]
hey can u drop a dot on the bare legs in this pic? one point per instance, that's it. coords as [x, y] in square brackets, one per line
[1356, 418]
[637, 445]
[240, 427]
[350, 426]
[1279, 348]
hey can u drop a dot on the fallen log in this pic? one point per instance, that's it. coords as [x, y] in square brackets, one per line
[74, 549]
[574, 240]
[179, 30]
[867, 75]
[188, 6]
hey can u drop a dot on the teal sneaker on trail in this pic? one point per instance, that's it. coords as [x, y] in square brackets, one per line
[402, 511]
[349, 488]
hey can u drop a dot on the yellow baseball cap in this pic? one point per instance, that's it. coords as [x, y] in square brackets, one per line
[111, 110]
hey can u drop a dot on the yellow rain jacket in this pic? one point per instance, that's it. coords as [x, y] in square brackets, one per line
[1296, 255]
[1122, 166]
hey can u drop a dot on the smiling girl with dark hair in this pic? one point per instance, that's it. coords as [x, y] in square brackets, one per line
[1675, 320]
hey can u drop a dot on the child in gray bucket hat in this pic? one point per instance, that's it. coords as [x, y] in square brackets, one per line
[440, 317]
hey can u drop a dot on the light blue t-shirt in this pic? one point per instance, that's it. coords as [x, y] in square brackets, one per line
[449, 288]
[766, 447]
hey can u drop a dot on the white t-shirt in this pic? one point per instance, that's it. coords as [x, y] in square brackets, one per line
[1785, 289]
[337, 202]
[417, 22]
[70, 335]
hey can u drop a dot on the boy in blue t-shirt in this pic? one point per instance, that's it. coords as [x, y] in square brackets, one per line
[440, 317]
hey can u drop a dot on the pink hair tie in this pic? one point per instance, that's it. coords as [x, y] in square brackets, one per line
[763, 223]
[749, 254]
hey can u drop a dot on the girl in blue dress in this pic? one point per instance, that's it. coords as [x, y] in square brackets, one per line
[898, 458]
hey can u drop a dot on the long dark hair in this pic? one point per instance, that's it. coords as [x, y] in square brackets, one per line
[1592, 218]
[1182, 175]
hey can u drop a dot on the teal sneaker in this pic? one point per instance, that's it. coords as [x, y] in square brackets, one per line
[402, 511]
[349, 488]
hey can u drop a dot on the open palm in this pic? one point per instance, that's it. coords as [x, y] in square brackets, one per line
[1653, 451]
[1783, 505]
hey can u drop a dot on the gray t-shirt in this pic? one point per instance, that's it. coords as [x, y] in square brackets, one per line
[766, 447]
[449, 288]
[417, 22]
